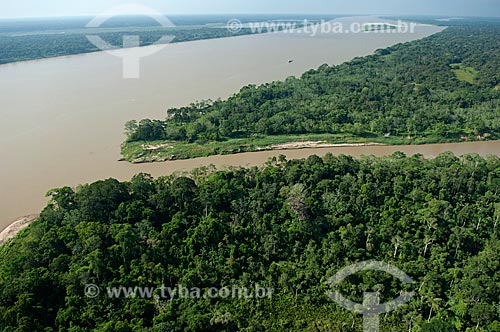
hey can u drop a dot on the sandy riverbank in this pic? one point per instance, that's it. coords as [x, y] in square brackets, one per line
[16, 227]
[316, 145]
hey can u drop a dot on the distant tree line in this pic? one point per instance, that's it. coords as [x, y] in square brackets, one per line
[40, 45]
[31, 39]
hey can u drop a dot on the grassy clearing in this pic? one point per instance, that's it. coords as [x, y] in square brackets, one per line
[136, 152]
[465, 74]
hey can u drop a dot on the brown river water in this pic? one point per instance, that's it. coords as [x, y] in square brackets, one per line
[62, 118]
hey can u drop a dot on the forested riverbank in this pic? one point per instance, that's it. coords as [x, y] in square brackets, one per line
[444, 88]
[289, 226]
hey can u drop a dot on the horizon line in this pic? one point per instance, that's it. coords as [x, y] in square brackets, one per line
[249, 14]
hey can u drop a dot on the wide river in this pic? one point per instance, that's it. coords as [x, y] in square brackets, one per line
[62, 118]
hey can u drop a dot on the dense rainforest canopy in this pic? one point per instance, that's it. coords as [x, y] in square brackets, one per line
[446, 86]
[290, 226]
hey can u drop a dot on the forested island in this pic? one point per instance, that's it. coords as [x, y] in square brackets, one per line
[444, 88]
[289, 226]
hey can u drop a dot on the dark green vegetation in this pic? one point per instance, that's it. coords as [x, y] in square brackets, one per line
[290, 225]
[439, 89]
[30, 39]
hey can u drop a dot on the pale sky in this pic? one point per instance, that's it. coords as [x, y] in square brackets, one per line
[51, 8]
